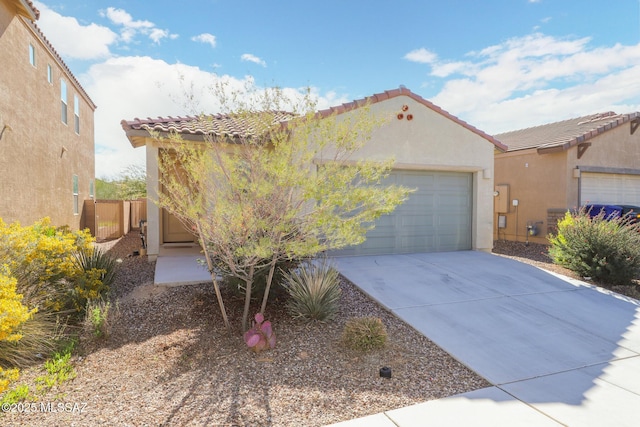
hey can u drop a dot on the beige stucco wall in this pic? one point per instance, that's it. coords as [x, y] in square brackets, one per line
[36, 176]
[431, 141]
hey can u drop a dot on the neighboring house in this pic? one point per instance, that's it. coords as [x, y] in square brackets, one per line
[47, 164]
[561, 166]
[447, 160]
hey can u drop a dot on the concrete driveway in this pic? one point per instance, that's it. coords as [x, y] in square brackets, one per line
[558, 351]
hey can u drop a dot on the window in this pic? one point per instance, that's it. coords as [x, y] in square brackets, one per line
[32, 55]
[91, 189]
[49, 74]
[76, 114]
[63, 99]
[76, 199]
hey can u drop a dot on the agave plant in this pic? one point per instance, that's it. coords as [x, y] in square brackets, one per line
[315, 291]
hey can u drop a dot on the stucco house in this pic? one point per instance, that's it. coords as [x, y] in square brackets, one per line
[448, 161]
[560, 166]
[47, 166]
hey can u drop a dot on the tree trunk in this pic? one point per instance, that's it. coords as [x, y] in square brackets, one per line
[267, 288]
[247, 299]
[203, 245]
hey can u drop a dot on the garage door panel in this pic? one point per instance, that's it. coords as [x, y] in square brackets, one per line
[451, 220]
[436, 217]
[609, 188]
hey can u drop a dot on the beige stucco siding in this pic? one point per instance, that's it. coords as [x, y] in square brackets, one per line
[431, 141]
[40, 153]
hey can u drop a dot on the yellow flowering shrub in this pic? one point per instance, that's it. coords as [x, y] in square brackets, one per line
[41, 258]
[12, 312]
[7, 376]
[89, 286]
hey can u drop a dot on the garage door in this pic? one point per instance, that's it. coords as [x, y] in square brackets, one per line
[609, 188]
[435, 218]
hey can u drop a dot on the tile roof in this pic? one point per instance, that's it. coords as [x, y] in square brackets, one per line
[564, 134]
[219, 124]
[27, 9]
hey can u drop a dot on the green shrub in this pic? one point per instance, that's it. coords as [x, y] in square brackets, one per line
[15, 395]
[314, 290]
[98, 317]
[59, 368]
[364, 333]
[607, 250]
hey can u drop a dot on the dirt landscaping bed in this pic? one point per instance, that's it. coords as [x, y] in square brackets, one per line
[169, 361]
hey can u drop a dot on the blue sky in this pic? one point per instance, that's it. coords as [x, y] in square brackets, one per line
[498, 64]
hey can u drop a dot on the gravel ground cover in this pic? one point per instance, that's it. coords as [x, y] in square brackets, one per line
[169, 362]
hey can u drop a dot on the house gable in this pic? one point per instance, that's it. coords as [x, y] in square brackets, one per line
[403, 91]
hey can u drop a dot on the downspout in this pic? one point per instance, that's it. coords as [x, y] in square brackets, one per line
[578, 175]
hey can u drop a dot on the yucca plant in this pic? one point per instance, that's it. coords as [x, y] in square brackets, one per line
[314, 289]
[364, 333]
[94, 258]
[96, 271]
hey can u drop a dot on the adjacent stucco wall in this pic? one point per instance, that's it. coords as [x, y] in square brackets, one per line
[40, 154]
[544, 183]
[538, 182]
[431, 141]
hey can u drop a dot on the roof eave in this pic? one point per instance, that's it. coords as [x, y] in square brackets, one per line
[26, 9]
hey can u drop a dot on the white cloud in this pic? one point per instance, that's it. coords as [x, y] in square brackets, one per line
[538, 79]
[422, 56]
[122, 17]
[131, 28]
[72, 39]
[252, 58]
[206, 38]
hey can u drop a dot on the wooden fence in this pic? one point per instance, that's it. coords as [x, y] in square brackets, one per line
[112, 219]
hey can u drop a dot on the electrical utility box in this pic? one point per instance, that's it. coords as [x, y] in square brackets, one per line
[501, 199]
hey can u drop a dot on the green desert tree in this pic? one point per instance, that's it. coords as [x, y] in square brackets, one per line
[130, 184]
[267, 186]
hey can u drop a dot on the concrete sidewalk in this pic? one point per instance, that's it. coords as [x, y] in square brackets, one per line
[558, 351]
[181, 264]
